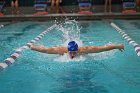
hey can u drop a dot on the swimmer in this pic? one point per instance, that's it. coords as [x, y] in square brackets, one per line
[73, 50]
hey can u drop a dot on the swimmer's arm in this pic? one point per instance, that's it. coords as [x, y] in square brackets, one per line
[97, 49]
[53, 50]
[39, 49]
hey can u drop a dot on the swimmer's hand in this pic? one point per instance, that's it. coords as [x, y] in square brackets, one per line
[121, 47]
[30, 46]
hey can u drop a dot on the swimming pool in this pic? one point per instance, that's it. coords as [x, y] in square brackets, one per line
[106, 72]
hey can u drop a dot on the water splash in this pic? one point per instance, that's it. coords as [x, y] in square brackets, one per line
[71, 32]
[103, 55]
[66, 58]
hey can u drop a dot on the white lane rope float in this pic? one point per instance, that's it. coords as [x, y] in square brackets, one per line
[7, 62]
[127, 38]
[1, 26]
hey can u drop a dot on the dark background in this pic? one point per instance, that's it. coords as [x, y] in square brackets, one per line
[65, 2]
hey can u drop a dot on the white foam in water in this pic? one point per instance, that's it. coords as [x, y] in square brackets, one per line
[66, 58]
[103, 55]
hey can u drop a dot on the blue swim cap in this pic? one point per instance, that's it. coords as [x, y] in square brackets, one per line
[72, 46]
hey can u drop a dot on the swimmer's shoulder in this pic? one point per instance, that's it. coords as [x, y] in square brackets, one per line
[84, 49]
[60, 49]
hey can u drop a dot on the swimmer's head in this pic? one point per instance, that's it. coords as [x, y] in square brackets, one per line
[72, 48]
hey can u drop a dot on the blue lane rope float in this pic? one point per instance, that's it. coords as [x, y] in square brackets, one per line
[127, 38]
[7, 62]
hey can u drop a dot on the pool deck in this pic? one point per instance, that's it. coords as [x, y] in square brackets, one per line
[95, 16]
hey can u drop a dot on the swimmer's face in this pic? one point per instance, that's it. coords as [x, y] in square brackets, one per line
[72, 54]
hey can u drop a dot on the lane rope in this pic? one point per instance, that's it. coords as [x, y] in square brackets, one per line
[127, 38]
[8, 61]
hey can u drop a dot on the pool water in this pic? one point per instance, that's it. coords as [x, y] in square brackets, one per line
[34, 72]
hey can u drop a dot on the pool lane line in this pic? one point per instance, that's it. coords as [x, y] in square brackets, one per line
[6, 24]
[7, 62]
[127, 38]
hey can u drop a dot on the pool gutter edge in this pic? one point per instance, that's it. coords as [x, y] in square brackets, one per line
[97, 16]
